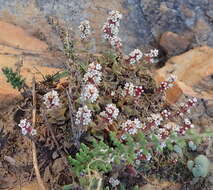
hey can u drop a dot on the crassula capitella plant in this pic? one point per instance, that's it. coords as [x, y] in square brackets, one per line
[113, 100]
[123, 98]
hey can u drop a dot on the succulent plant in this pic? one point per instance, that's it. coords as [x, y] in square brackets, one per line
[192, 145]
[199, 167]
[13, 78]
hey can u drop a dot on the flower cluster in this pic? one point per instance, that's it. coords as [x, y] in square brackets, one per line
[91, 79]
[187, 125]
[187, 106]
[111, 28]
[89, 92]
[165, 114]
[164, 132]
[151, 56]
[110, 113]
[51, 99]
[93, 75]
[134, 56]
[114, 182]
[83, 116]
[167, 84]
[130, 127]
[131, 90]
[156, 119]
[84, 29]
[26, 127]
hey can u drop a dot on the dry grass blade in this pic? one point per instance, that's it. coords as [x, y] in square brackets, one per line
[35, 161]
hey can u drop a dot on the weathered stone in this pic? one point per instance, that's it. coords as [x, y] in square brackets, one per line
[209, 108]
[18, 38]
[209, 14]
[202, 30]
[162, 186]
[191, 68]
[19, 50]
[144, 21]
[30, 186]
[173, 43]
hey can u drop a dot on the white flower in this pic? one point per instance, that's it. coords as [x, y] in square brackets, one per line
[33, 132]
[51, 99]
[131, 127]
[128, 89]
[162, 145]
[148, 157]
[83, 116]
[26, 127]
[154, 52]
[165, 113]
[157, 118]
[114, 182]
[135, 56]
[110, 113]
[115, 16]
[94, 66]
[111, 29]
[187, 121]
[84, 29]
[112, 93]
[90, 93]
[93, 76]
[115, 41]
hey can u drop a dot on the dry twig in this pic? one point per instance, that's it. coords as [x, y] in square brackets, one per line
[35, 161]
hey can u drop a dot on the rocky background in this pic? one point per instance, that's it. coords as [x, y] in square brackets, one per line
[181, 29]
[174, 26]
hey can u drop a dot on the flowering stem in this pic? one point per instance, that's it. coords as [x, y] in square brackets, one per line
[35, 161]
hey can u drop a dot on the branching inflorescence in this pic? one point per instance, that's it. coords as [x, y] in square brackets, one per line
[51, 99]
[85, 29]
[111, 113]
[26, 127]
[91, 79]
[134, 57]
[111, 29]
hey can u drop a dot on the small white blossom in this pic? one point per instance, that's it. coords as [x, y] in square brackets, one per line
[51, 99]
[114, 182]
[26, 127]
[111, 29]
[157, 118]
[135, 56]
[90, 93]
[110, 113]
[131, 127]
[83, 116]
[112, 93]
[115, 42]
[154, 52]
[165, 113]
[94, 66]
[187, 121]
[85, 29]
[93, 76]
[128, 89]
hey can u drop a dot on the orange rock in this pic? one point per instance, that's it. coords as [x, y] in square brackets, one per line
[18, 47]
[191, 68]
[173, 43]
[15, 36]
[172, 94]
[30, 186]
